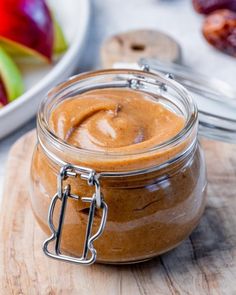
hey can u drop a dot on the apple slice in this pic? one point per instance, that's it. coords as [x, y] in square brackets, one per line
[3, 94]
[60, 44]
[27, 27]
[10, 76]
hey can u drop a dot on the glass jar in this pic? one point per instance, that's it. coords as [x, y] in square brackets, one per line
[118, 207]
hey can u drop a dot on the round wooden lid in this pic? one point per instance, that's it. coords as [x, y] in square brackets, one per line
[132, 45]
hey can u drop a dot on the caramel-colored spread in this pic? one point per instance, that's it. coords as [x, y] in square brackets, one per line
[148, 214]
[114, 120]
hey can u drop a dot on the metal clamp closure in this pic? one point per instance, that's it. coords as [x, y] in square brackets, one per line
[96, 202]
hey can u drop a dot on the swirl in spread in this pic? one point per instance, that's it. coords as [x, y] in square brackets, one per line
[114, 120]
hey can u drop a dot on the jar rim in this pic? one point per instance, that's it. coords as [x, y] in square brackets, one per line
[163, 81]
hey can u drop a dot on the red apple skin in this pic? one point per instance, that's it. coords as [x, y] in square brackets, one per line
[29, 23]
[3, 94]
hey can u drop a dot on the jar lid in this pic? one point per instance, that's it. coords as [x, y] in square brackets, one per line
[215, 99]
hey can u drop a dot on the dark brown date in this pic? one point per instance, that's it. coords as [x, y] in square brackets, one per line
[219, 29]
[208, 6]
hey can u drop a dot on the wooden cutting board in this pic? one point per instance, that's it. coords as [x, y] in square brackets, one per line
[204, 264]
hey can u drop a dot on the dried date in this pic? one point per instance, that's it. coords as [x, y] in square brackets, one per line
[219, 29]
[208, 6]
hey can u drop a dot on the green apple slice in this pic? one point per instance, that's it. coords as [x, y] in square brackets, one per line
[60, 44]
[10, 76]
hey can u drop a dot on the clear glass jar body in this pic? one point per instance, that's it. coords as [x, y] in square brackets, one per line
[149, 212]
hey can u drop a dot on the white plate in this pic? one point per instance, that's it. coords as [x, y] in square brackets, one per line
[73, 16]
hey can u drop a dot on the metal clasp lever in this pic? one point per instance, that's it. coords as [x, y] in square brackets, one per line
[96, 201]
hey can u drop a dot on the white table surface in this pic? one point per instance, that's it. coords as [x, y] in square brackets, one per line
[175, 17]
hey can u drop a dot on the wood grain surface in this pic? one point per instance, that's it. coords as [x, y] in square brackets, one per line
[203, 264]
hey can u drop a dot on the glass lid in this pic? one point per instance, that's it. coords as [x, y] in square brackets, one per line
[215, 99]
